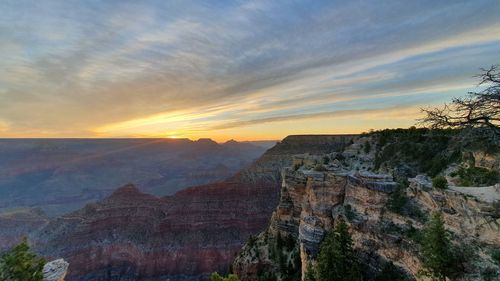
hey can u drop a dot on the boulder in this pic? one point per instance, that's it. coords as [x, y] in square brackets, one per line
[55, 270]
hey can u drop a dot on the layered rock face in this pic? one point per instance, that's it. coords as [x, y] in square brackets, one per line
[135, 236]
[311, 201]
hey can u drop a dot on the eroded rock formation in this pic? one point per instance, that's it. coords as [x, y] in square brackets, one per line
[312, 199]
[136, 236]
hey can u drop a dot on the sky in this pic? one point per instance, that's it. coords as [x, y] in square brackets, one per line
[244, 70]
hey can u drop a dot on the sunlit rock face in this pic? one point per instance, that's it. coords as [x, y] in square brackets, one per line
[131, 235]
[311, 201]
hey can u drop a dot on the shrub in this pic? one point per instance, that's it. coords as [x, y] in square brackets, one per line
[496, 255]
[319, 168]
[426, 151]
[349, 213]
[440, 182]
[367, 147]
[326, 160]
[397, 200]
[477, 176]
[399, 203]
[21, 264]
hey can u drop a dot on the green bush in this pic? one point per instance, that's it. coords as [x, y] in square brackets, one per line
[326, 160]
[399, 203]
[367, 147]
[319, 168]
[496, 255]
[477, 176]
[439, 182]
[349, 213]
[397, 200]
[21, 264]
[426, 151]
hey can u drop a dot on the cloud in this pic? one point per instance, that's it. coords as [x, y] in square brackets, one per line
[4, 127]
[108, 67]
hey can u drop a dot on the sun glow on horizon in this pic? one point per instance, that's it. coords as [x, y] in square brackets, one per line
[227, 71]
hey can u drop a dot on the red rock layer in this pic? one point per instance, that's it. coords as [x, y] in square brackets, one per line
[135, 236]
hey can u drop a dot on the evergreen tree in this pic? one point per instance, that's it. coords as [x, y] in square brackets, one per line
[19, 264]
[437, 255]
[336, 261]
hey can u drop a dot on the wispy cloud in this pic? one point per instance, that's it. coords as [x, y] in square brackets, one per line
[125, 68]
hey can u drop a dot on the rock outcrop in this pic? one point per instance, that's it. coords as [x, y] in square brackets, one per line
[312, 200]
[55, 270]
[136, 236]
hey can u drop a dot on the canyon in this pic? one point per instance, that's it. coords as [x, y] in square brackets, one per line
[131, 235]
[58, 176]
[294, 193]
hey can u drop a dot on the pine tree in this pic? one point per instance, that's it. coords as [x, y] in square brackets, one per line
[19, 264]
[336, 261]
[437, 255]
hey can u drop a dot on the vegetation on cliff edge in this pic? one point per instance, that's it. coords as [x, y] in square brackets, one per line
[20, 264]
[336, 259]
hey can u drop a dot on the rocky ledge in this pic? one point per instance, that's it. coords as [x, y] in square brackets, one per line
[55, 270]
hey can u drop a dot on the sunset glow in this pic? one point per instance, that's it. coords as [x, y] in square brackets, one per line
[234, 70]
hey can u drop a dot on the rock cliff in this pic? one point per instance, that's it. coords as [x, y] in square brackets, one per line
[312, 198]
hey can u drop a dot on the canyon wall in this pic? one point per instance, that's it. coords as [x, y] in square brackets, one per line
[313, 198]
[136, 236]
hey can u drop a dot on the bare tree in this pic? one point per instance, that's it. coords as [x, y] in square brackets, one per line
[475, 110]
